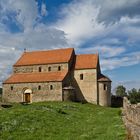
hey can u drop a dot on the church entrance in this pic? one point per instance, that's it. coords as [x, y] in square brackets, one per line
[27, 95]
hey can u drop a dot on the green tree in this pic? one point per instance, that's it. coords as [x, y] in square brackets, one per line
[121, 91]
[134, 95]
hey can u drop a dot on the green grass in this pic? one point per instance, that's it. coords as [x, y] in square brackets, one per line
[60, 121]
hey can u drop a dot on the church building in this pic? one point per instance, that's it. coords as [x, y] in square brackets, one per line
[57, 75]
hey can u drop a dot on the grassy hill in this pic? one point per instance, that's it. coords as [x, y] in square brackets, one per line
[60, 121]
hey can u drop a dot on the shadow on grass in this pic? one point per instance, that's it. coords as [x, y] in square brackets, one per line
[6, 105]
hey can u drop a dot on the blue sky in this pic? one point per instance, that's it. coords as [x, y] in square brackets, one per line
[111, 28]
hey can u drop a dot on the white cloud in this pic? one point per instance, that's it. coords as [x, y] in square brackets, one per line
[112, 11]
[79, 21]
[8, 57]
[44, 38]
[105, 51]
[43, 9]
[127, 60]
[24, 11]
[111, 41]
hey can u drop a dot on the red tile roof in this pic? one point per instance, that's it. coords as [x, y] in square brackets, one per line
[86, 61]
[45, 57]
[36, 77]
[103, 78]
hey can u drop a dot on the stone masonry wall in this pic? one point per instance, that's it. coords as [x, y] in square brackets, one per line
[44, 68]
[131, 119]
[104, 95]
[44, 94]
[86, 89]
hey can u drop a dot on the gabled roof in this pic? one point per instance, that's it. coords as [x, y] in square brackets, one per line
[86, 61]
[103, 78]
[36, 77]
[45, 57]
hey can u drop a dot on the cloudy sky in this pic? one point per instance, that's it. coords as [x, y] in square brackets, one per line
[109, 27]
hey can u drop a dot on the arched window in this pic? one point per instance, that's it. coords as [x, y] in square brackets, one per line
[39, 69]
[12, 87]
[49, 68]
[59, 68]
[51, 87]
[81, 76]
[39, 87]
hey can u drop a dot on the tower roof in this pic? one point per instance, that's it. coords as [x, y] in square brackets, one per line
[103, 78]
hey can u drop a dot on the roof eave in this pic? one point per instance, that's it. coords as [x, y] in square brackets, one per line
[33, 82]
[39, 64]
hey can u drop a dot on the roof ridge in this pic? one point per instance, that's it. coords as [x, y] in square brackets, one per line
[50, 50]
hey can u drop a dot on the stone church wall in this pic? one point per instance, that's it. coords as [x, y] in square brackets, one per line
[86, 89]
[44, 68]
[44, 94]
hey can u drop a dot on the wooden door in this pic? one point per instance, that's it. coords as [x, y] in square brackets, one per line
[27, 97]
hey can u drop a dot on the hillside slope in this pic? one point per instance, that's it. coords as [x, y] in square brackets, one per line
[60, 121]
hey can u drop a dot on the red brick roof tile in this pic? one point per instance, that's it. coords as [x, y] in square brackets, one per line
[86, 61]
[36, 77]
[45, 57]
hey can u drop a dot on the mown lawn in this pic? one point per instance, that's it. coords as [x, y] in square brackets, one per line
[60, 121]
